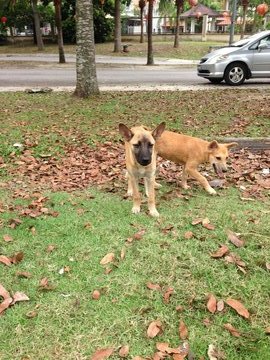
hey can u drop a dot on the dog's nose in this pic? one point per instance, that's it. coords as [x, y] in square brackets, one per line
[224, 170]
[145, 162]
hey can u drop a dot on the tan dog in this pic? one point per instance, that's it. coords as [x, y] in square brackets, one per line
[141, 158]
[191, 152]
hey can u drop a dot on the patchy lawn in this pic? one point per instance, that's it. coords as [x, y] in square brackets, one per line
[63, 209]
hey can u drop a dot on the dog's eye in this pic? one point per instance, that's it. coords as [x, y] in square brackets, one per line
[150, 145]
[218, 157]
[137, 145]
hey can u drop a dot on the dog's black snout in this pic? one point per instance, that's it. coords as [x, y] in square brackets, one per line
[224, 170]
[145, 161]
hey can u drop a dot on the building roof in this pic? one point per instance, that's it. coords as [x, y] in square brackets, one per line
[204, 10]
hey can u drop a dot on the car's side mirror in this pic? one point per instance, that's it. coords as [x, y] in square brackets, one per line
[262, 46]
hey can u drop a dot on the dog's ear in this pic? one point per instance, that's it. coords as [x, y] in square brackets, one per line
[125, 132]
[231, 144]
[213, 145]
[158, 130]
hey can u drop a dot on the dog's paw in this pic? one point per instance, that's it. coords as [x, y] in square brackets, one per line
[157, 185]
[136, 209]
[211, 191]
[185, 186]
[154, 213]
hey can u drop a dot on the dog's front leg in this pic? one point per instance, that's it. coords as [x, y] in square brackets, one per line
[150, 188]
[133, 182]
[201, 179]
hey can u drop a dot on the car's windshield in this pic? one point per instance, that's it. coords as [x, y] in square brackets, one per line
[243, 42]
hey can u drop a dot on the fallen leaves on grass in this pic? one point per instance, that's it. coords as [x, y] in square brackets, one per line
[214, 354]
[124, 351]
[10, 300]
[7, 238]
[154, 329]
[238, 307]
[212, 303]
[102, 354]
[96, 294]
[152, 286]
[188, 235]
[205, 222]
[232, 330]
[234, 239]
[223, 249]
[183, 330]
[167, 295]
[44, 284]
[14, 259]
[107, 259]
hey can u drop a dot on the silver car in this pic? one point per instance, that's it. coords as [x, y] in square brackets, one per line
[244, 59]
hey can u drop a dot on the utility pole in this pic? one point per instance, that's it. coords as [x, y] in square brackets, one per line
[233, 17]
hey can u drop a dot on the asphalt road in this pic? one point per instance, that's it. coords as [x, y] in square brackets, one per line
[16, 72]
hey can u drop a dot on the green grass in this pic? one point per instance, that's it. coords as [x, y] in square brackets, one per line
[69, 324]
[191, 50]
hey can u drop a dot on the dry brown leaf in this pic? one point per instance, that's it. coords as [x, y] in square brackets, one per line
[123, 253]
[167, 295]
[159, 355]
[238, 307]
[220, 252]
[7, 238]
[124, 351]
[45, 285]
[19, 296]
[152, 286]
[154, 329]
[232, 330]
[5, 260]
[102, 354]
[23, 274]
[5, 304]
[267, 330]
[96, 295]
[212, 303]
[163, 347]
[220, 305]
[4, 293]
[234, 239]
[31, 314]
[50, 248]
[183, 330]
[197, 221]
[107, 259]
[214, 354]
[16, 258]
[188, 235]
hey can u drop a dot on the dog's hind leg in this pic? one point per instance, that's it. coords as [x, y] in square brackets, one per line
[184, 179]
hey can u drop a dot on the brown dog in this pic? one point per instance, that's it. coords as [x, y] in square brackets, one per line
[191, 152]
[141, 158]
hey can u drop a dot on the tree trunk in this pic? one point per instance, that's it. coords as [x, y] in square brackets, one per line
[141, 37]
[179, 8]
[150, 56]
[87, 83]
[243, 27]
[40, 44]
[117, 26]
[58, 22]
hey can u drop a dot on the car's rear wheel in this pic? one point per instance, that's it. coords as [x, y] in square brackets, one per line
[235, 74]
[215, 80]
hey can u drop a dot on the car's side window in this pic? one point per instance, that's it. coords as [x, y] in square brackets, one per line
[265, 41]
[254, 46]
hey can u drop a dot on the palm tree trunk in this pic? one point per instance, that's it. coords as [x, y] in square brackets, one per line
[179, 8]
[243, 27]
[150, 56]
[117, 26]
[58, 22]
[87, 83]
[40, 43]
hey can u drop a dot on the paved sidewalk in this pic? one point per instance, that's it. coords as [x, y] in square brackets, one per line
[100, 59]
